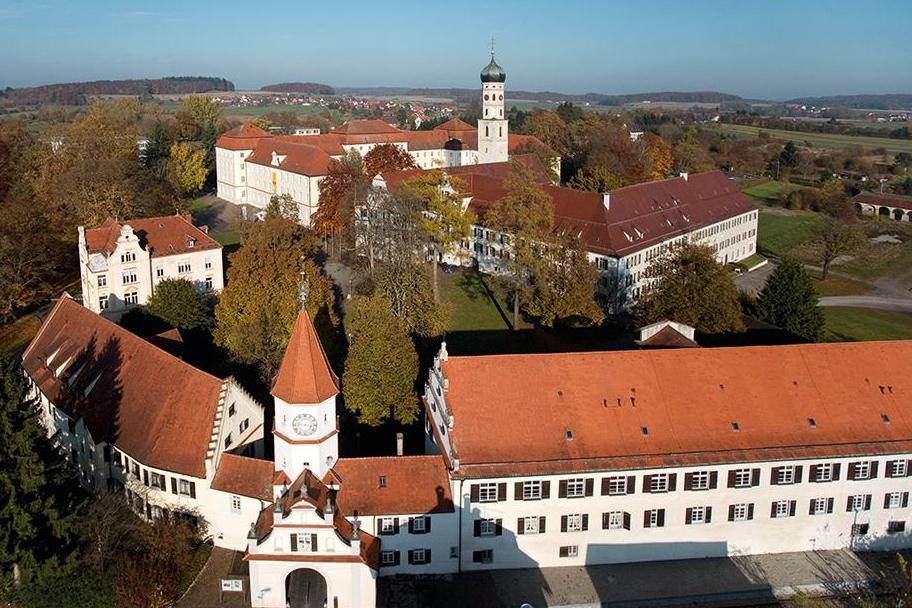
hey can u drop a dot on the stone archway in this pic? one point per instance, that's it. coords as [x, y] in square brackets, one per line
[305, 588]
[859, 209]
[898, 214]
[884, 211]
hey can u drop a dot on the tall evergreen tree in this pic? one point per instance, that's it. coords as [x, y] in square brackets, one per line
[789, 301]
[380, 371]
[39, 496]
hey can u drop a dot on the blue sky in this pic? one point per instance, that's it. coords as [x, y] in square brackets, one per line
[765, 48]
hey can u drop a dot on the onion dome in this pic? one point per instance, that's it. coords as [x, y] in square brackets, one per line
[493, 72]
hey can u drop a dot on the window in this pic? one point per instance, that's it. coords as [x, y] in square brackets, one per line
[389, 525]
[129, 256]
[859, 502]
[454, 552]
[157, 481]
[569, 551]
[387, 558]
[654, 518]
[129, 277]
[896, 500]
[741, 512]
[699, 480]
[531, 490]
[574, 523]
[159, 271]
[783, 508]
[131, 298]
[487, 492]
[183, 487]
[659, 483]
[487, 527]
[616, 486]
[102, 280]
[820, 506]
[898, 468]
[208, 283]
[576, 488]
[485, 556]
[183, 267]
[530, 525]
[245, 424]
[823, 473]
[741, 478]
[207, 264]
[615, 520]
[895, 527]
[103, 303]
[303, 541]
[860, 529]
[419, 556]
[785, 475]
[861, 470]
[418, 525]
[698, 515]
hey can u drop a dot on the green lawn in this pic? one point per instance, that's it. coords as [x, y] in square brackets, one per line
[778, 234]
[855, 324]
[821, 140]
[838, 286]
[476, 302]
[768, 192]
[18, 333]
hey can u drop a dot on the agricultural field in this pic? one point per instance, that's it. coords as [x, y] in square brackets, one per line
[821, 140]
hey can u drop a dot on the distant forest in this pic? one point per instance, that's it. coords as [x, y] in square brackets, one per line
[76, 93]
[313, 88]
[893, 101]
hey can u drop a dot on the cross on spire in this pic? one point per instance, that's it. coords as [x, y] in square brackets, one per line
[492, 47]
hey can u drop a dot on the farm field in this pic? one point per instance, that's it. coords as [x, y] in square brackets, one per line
[821, 140]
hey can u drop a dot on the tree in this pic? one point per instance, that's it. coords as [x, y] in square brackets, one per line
[274, 262]
[343, 185]
[789, 301]
[158, 148]
[834, 239]
[385, 158]
[546, 156]
[107, 531]
[39, 497]
[568, 112]
[597, 179]
[187, 166]
[790, 156]
[445, 222]
[688, 285]
[283, 206]
[410, 293]
[262, 122]
[564, 285]
[549, 129]
[660, 156]
[180, 304]
[382, 364]
[526, 213]
[196, 113]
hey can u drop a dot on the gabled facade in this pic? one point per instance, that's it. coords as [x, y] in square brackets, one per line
[120, 263]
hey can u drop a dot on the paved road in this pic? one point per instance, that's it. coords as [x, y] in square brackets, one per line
[879, 303]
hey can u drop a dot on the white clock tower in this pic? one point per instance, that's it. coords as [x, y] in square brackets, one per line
[492, 126]
[305, 389]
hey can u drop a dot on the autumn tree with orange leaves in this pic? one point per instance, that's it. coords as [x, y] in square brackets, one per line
[385, 158]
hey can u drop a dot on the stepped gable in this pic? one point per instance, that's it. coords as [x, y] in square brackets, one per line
[163, 236]
[146, 402]
[244, 137]
[305, 375]
[677, 407]
[392, 485]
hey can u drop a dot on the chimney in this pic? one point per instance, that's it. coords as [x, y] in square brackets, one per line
[328, 507]
[606, 200]
[356, 535]
[444, 355]
[684, 174]
[399, 444]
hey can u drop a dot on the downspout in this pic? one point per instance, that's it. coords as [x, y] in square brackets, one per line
[461, 509]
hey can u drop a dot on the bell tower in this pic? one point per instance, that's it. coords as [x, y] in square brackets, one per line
[492, 126]
[305, 390]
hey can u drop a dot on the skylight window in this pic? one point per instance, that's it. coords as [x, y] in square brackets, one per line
[812, 423]
[645, 431]
[736, 427]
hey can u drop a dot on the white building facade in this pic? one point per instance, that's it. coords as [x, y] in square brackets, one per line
[121, 263]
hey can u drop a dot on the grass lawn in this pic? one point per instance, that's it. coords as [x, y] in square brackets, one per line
[226, 239]
[476, 302]
[18, 333]
[768, 192]
[855, 324]
[778, 234]
[821, 140]
[838, 286]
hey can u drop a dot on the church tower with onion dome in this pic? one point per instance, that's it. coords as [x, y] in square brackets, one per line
[492, 126]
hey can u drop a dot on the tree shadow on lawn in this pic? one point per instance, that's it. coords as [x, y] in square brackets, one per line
[474, 285]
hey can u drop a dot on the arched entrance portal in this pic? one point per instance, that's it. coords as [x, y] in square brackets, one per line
[305, 588]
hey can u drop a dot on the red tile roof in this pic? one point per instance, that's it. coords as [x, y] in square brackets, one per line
[163, 236]
[411, 484]
[513, 413]
[244, 137]
[300, 158]
[886, 200]
[455, 124]
[305, 375]
[366, 127]
[153, 406]
[244, 476]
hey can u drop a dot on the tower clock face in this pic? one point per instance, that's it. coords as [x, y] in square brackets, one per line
[304, 425]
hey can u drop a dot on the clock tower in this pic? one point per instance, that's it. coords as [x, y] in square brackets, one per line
[492, 126]
[305, 390]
